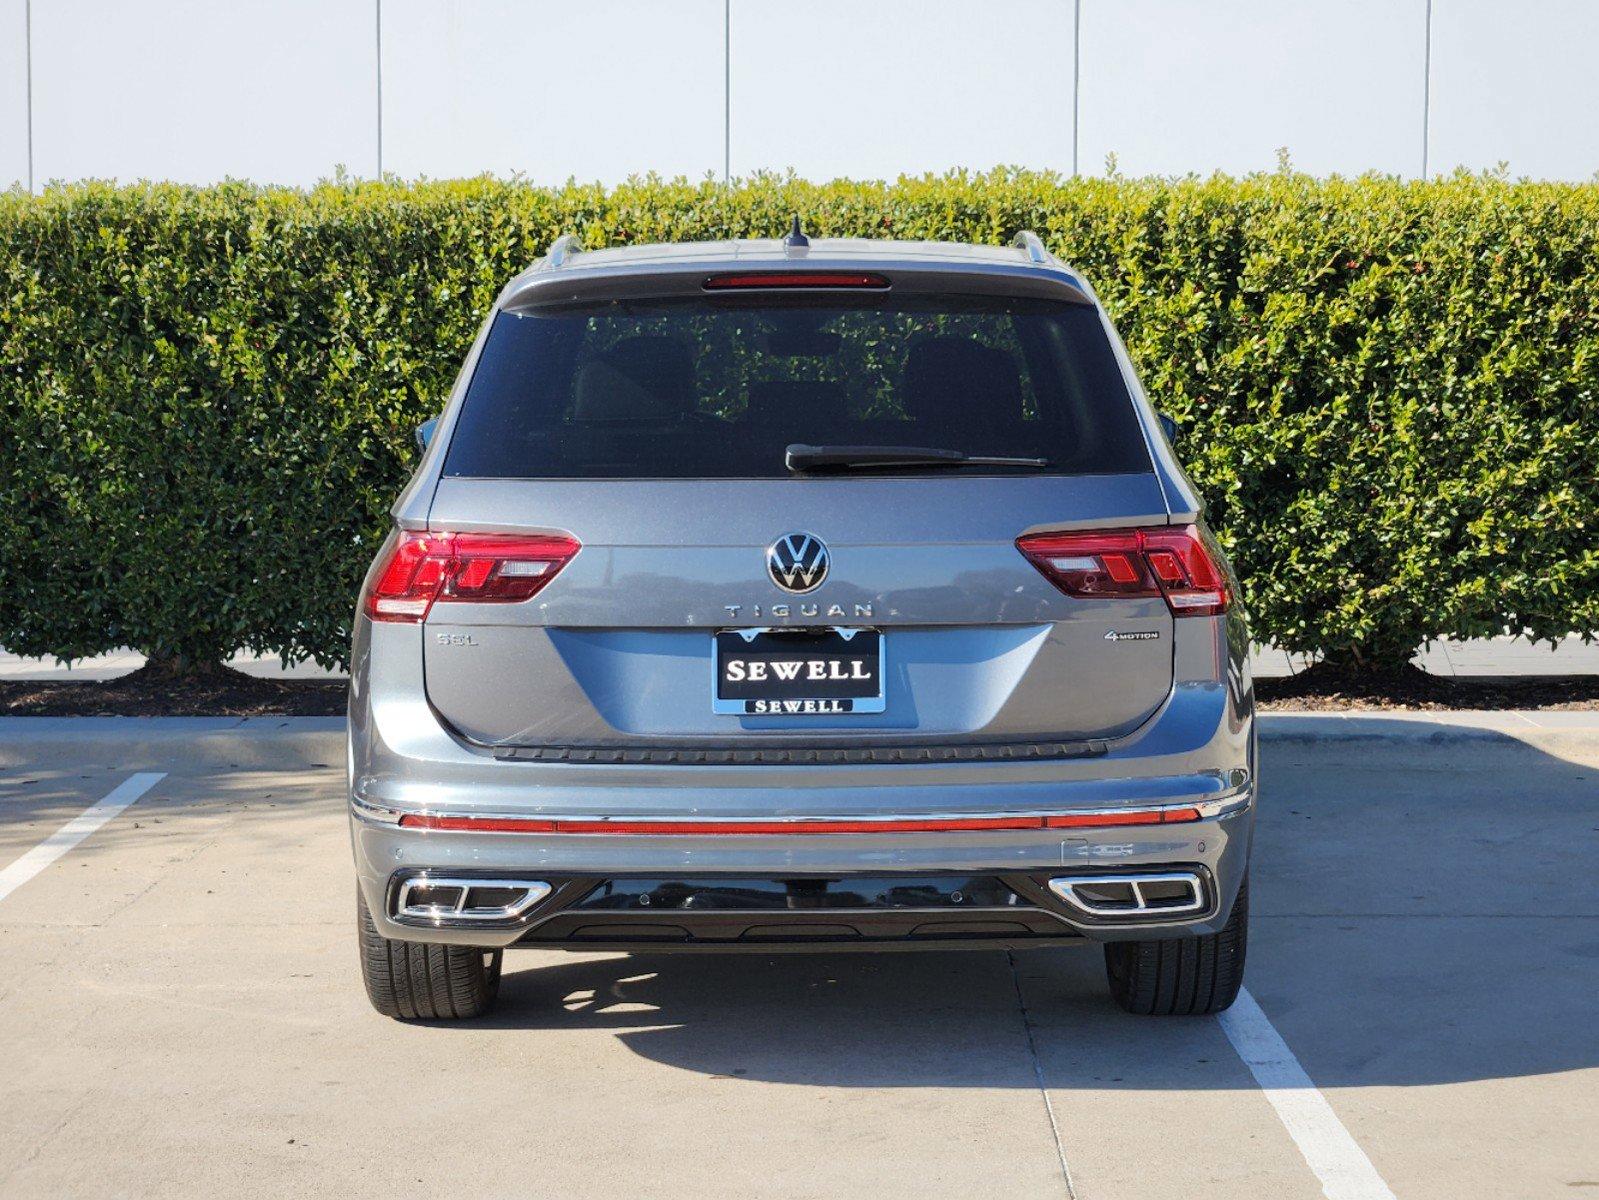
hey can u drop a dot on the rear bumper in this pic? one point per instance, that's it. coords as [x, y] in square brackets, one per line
[1214, 848]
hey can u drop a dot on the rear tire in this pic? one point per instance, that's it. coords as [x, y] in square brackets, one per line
[420, 981]
[1183, 976]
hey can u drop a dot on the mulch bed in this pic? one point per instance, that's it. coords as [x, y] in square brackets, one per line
[224, 692]
[204, 692]
[1326, 688]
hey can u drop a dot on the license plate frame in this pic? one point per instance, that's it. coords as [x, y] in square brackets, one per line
[804, 695]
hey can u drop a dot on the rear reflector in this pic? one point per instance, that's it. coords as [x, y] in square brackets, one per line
[791, 828]
[795, 279]
[1179, 562]
[423, 569]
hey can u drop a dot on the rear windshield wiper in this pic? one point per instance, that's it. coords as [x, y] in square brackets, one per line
[800, 457]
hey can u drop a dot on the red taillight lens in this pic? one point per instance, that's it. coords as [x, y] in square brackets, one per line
[780, 827]
[1177, 562]
[795, 279]
[482, 568]
[1188, 566]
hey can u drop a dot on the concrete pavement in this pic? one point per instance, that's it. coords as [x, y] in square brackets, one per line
[180, 1012]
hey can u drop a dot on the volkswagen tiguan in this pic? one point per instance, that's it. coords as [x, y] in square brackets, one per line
[799, 594]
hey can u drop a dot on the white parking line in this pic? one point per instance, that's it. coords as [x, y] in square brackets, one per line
[1341, 1165]
[75, 830]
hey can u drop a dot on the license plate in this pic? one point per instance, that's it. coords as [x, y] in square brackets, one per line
[789, 672]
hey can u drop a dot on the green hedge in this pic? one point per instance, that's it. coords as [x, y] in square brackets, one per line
[1388, 389]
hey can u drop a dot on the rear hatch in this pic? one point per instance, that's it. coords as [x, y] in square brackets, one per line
[647, 442]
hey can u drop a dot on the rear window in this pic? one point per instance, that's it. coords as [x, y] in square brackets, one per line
[714, 388]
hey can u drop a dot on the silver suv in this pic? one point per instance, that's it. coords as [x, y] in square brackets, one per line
[792, 594]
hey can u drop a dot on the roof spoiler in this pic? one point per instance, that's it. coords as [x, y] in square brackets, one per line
[568, 245]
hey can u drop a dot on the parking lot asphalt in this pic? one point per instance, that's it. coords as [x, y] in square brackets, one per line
[181, 1014]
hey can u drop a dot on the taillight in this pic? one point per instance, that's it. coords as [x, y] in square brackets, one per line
[424, 569]
[795, 279]
[1177, 562]
[793, 827]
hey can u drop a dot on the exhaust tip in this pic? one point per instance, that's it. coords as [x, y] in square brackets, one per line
[1155, 894]
[437, 900]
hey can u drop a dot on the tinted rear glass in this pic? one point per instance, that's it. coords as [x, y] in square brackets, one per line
[718, 388]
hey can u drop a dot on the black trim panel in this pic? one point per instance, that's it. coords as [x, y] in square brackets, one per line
[809, 754]
[806, 927]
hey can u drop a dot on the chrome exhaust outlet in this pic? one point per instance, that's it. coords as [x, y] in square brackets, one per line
[437, 900]
[1157, 894]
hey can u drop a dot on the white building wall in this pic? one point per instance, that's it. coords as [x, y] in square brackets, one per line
[1171, 86]
[285, 91]
[872, 90]
[1516, 81]
[198, 90]
[598, 90]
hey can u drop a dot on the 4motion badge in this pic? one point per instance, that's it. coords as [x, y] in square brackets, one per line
[1133, 635]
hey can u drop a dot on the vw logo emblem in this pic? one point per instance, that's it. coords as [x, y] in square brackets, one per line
[797, 562]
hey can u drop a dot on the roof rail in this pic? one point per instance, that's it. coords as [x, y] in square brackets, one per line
[1028, 242]
[562, 249]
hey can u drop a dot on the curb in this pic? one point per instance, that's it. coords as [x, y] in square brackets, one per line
[1426, 728]
[86, 727]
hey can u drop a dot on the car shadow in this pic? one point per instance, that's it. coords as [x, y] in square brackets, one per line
[1425, 911]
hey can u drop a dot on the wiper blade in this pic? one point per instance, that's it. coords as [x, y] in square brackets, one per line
[800, 457]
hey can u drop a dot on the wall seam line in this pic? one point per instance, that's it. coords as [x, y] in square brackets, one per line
[1426, 92]
[1077, 77]
[727, 93]
[27, 40]
[378, 11]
